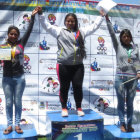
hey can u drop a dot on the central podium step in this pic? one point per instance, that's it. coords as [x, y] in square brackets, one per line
[73, 127]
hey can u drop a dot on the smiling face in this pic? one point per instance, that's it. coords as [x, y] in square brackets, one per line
[70, 23]
[13, 35]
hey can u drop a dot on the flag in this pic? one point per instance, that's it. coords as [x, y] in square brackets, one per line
[47, 2]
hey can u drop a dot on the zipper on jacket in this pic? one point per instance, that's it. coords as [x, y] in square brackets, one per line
[74, 53]
[74, 48]
[61, 52]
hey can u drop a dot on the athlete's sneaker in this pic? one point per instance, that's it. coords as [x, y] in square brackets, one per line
[130, 128]
[80, 112]
[64, 112]
[123, 127]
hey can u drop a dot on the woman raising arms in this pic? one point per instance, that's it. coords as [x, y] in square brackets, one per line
[13, 81]
[127, 74]
[70, 55]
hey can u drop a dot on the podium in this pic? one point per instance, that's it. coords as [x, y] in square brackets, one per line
[112, 132]
[29, 133]
[74, 127]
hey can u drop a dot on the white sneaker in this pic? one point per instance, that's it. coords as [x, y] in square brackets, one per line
[80, 112]
[64, 113]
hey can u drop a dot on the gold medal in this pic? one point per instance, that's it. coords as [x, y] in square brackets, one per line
[13, 54]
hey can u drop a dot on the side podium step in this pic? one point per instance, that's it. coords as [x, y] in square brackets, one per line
[29, 133]
[112, 132]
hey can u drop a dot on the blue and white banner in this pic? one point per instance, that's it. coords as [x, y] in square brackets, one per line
[42, 86]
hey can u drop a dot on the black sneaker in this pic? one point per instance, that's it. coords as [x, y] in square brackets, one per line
[130, 128]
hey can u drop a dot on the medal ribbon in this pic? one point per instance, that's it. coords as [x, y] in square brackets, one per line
[76, 35]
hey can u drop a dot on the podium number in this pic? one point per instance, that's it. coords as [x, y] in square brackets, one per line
[79, 136]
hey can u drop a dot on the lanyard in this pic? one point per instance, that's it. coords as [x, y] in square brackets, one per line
[76, 35]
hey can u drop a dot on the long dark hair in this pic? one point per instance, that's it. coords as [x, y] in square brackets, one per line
[125, 31]
[80, 39]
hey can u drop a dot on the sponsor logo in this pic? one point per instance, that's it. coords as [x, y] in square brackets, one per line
[43, 45]
[116, 27]
[94, 66]
[101, 84]
[27, 109]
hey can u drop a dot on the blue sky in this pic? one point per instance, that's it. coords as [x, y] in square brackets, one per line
[135, 2]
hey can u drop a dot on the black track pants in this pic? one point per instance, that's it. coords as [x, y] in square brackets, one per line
[66, 75]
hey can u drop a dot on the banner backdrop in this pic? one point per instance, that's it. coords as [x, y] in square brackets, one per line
[42, 85]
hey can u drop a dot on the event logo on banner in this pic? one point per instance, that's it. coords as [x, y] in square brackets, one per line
[94, 66]
[101, 48]
[43, 45]
[26, 120]
[27, 66]
[101, 103]
[24, 21]
[52, 19]
[50, 85]
[116, 27]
